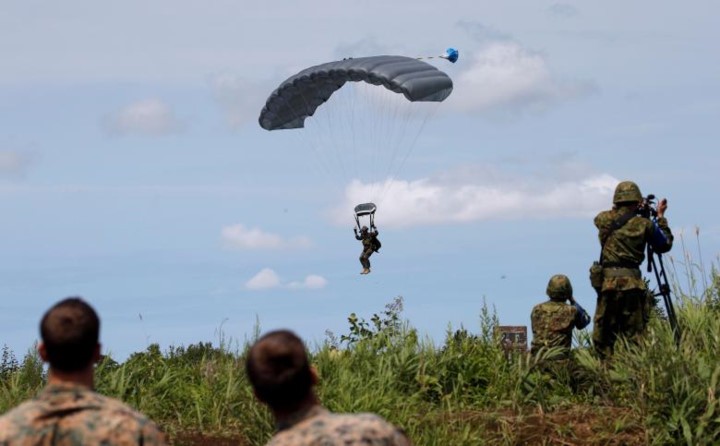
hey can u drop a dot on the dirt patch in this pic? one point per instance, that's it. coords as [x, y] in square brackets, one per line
[578, 425]
[200, 439]
[570, 426]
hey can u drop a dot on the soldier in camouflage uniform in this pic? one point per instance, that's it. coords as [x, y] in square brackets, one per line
[554, 320]
[622, 306]
[368, 242]
[68, 412]
[279, 371]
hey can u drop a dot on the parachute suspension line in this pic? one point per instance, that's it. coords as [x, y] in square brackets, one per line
[302, 95]
[345, 139]
[397, 145]
[335, 143]
[382, 124]
[358, 126]
[333, 127]
[451, 55]
[356, 131]
[301, 135]
[390, 138]
[400, 114]
[312, 142]
[321, 136]
[388, 134]
[353, 94]
[388, 185]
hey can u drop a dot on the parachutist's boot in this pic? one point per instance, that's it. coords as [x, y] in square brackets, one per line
[368, 271]
[364, 271]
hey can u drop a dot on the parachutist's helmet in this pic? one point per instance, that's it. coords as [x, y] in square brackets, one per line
[559, 288]
[364, 229]
[627, 192]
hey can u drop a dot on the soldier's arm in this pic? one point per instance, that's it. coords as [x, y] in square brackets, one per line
[661, 237]
[602, 223]
[582, 318]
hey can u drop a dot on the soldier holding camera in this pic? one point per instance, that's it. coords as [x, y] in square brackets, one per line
[624, 232]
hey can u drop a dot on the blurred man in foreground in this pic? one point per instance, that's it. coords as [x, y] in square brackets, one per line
[68, 412]
[281, 376]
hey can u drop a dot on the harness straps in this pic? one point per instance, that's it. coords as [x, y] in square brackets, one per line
[616, 224]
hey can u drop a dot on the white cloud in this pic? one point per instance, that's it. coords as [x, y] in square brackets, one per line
[312, 282]
[149, 117]
[14, 163]
[239, 237]
[264, 280]
[478, 193]
[503, 76]
[564, 10]
[268, 279]
[241, 99]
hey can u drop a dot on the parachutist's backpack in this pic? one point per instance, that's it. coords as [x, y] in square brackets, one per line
[375, 243]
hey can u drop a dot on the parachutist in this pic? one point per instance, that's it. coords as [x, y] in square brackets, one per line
[369, 238]
[370, 245]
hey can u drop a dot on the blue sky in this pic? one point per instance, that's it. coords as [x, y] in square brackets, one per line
[133, 171]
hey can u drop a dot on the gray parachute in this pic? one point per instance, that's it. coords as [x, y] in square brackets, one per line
[300, 95]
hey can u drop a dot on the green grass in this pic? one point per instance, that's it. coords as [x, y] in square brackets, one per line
[465, 391]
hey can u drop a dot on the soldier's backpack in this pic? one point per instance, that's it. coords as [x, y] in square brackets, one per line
[375, 243]
[596, 269]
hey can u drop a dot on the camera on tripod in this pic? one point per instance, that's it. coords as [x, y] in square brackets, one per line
[647, 207]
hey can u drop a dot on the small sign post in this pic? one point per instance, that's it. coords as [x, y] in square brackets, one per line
[512, 338]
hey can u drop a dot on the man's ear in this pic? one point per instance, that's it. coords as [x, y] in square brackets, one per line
[314, 376]
[96, 357]
[42, 351]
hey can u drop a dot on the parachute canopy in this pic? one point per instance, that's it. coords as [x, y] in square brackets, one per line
[300, 95]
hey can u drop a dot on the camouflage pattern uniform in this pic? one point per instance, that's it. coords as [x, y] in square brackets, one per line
[554, 320]
[318, 426]
[367, 241]
[72, 414]
[623, 304]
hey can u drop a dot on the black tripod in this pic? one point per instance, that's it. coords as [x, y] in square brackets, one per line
[663, 290]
